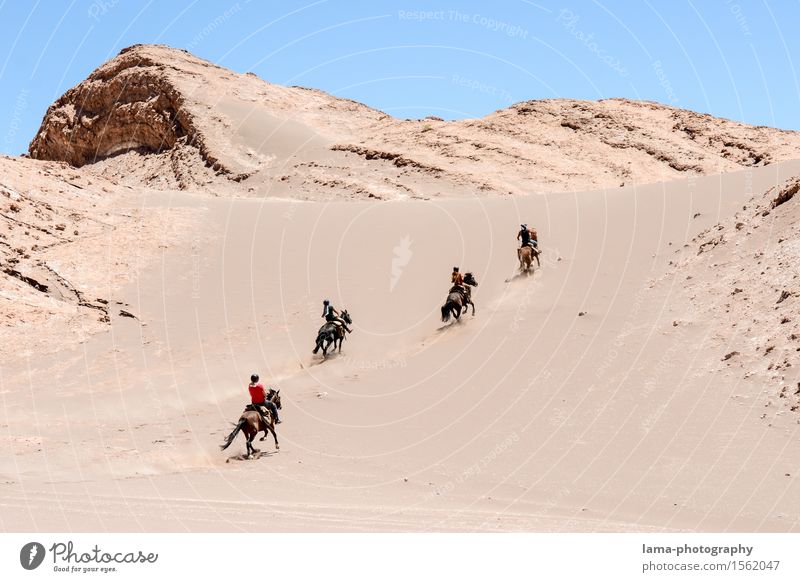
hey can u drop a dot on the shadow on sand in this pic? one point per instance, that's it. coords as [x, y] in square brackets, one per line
[254, 457]
[320, 359]
[453, 322]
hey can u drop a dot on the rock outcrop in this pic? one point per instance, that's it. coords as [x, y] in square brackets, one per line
[126, 104]
[162, 118]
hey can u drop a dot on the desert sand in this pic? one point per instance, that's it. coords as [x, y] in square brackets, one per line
[642, 379]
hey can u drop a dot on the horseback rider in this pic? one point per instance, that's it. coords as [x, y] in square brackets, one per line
[331, 315]
[528, 237]
[259, 400]
[457, 279]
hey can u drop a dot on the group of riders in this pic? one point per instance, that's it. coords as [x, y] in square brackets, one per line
[262, 404]
[527, 237]
[259, 402]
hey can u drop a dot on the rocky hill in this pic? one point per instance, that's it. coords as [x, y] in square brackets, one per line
[742, 277]
[163, 118]
[68, 242]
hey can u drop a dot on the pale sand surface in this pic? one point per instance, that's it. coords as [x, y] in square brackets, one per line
[524, 417]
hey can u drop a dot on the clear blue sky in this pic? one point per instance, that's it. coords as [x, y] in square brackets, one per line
[731, 58]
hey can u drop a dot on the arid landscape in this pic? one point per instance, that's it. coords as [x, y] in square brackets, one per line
[175, 227]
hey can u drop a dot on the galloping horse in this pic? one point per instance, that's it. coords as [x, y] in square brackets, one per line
[459, 299]
[251, 423]
[526, 255]
[330, 333]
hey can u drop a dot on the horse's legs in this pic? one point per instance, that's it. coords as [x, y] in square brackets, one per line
[274, 436]
[473, 307]
[270, 428]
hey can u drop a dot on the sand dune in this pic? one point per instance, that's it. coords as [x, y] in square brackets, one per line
[526, 416]
[591, 396]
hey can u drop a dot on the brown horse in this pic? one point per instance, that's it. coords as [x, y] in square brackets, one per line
[251, 423]
[526, 255]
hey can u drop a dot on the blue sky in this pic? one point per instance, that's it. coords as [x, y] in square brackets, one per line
[455, 59]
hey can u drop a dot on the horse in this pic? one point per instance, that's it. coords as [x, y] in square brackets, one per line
[459, 299]
[526, 255]
[331, 333]
[252, 423]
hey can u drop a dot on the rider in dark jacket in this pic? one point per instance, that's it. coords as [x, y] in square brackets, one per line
[330, 314]
[528, 237]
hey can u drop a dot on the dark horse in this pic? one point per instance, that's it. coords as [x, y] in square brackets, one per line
[331, 333]
[251, 423]
[458, 301]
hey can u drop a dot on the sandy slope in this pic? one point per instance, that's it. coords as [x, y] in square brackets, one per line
[527, 416]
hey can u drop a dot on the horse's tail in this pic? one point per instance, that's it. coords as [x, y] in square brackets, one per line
[446, 312]
[233, 434]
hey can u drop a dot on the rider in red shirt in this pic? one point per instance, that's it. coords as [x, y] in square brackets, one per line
[259, 398]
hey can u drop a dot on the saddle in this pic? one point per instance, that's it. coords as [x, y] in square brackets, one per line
[338, 327]
[260, 409]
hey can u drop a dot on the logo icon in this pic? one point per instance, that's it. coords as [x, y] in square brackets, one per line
[402, 255]
[31, 555]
